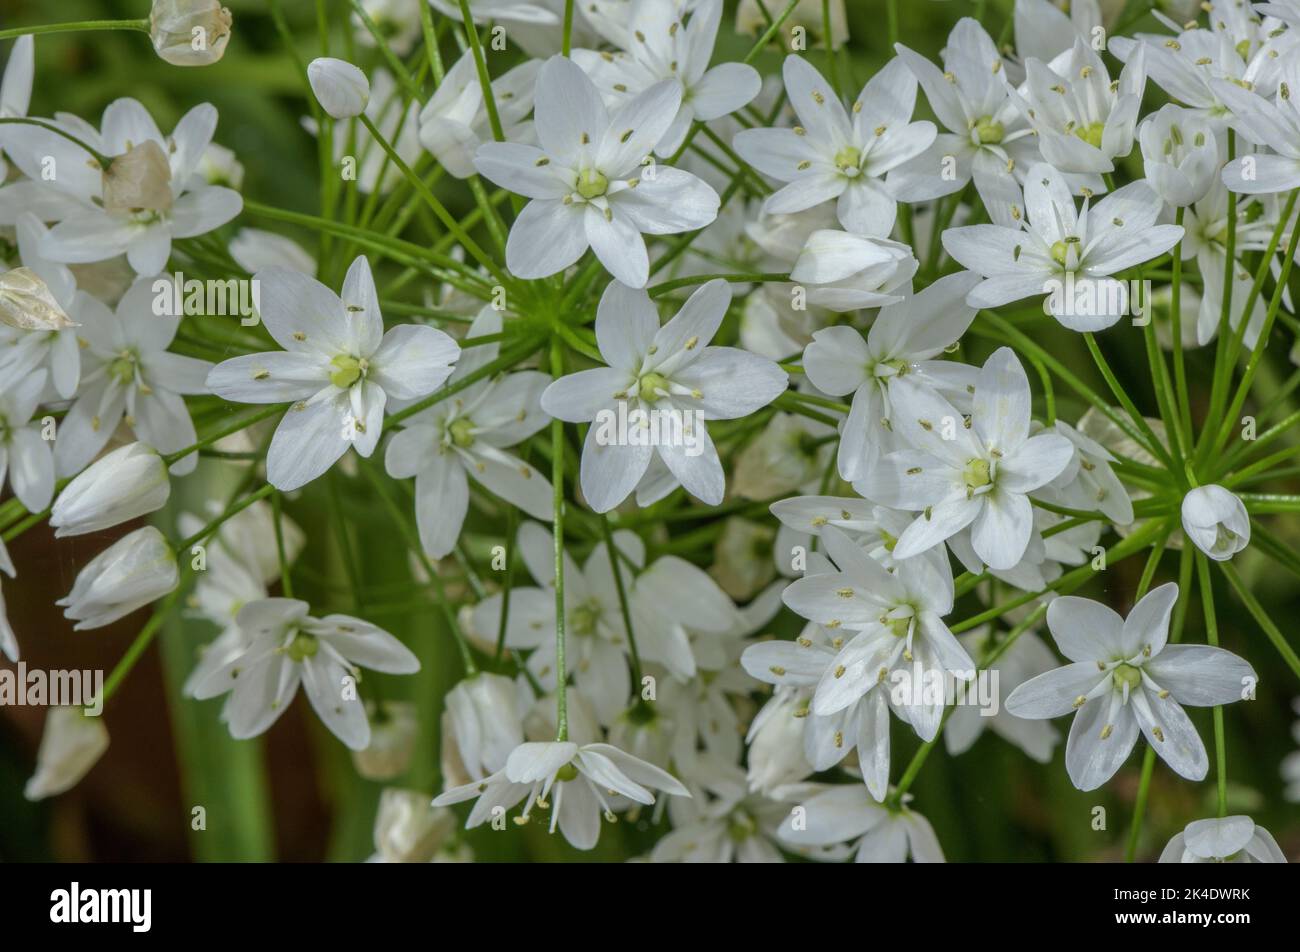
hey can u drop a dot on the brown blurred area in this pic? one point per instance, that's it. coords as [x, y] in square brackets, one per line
[131, 806]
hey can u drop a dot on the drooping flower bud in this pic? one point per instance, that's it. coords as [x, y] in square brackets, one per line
[1216, 521]
[129, 574]
[126, 483]
[72, 743]
[189, 32]
[341, 89]
[139, 179]
[408, 828]
[27, 303]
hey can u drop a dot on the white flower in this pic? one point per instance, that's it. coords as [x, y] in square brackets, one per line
[149, 168]
[122, 485]
[658, 44]
[1240, 47]
[341, 88]
[481, 725]
[189, 32]
[129, 574]
[896, 623]
[903, 342]
[978, 475]
[455, 118]
[16, 89]
[287, 647]
[24, 454]
[1123, 678]
[849, 272]
[832, 156]
[1216, 521]
[668, 376]
[587, 183]
[72, 743]
[1083, 121]
[596, 635]
[1057, 241]
[729, 826]
[128, 374]
[1274, 123]
[1180, 154]
[843, 812]
[577, 783]
[1228, 839]
[988, 139]
[468, 436]
[338, 367]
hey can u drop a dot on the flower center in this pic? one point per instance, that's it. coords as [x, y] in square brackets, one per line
[567, 773]
[899, 627]
[1091, 133]
[652, 387]
[740, 827]
[302, 647]
[1224, 539]
[849, 160]
[583, 619]
[976, 473]
[989, 131]
[347, 370]
[592, 184]
[123, 368]
[1127, 674]
[1060, 252]
[461, 432]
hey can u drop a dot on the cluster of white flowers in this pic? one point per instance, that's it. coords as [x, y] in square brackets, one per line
[738, 409]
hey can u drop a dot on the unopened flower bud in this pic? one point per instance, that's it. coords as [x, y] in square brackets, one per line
[27, 303]
[72, 743]
[123, 485]
[341, 89]
[139, 179]
[1216, 521]
[189, 32]
[408, 828]
[129, 574]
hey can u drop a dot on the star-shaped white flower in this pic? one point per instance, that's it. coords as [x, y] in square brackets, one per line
[338, 369]
[578, 784]
[468, 435]
[128, 374]
[285, 647]
[978, 474]
[1124, 678]
[664, 380]
[832, 155]
[589, 185]
[1059, 242]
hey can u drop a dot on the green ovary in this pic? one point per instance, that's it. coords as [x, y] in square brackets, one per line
[302, 647]
[651, 385]
[1060, 252]
[462, 432]
[976, 473]
[1127, 674]
[989, 131]
[592, 184]
[1091, 133]
[347, 370]
[849, 160]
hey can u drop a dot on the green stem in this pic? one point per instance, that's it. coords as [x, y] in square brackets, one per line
[1212, 636]
[557, 485]
[141, 26]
